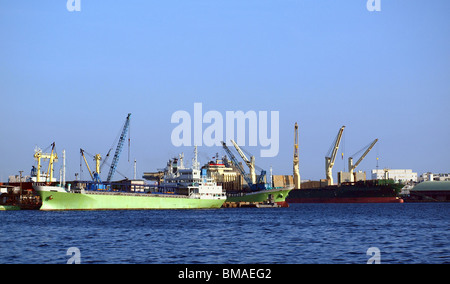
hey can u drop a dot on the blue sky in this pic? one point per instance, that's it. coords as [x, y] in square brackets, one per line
[72, 77]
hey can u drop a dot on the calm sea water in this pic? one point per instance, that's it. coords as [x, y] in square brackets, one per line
[303, 233]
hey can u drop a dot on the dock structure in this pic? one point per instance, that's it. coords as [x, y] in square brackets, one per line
[253, 205]
[430, 191]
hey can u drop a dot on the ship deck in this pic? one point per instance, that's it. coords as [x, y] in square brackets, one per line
[133, 194]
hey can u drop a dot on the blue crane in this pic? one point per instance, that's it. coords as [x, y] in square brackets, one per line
[259, 185]
[115, 161]
[236, 163]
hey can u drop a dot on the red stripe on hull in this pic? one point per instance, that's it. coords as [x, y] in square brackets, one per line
[283, 204]
[346, 200]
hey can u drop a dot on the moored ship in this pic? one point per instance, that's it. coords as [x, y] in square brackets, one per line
[183, 188]
[370, 191]
[57, 198]
[241, 187]
[351, 187]
[18, 196]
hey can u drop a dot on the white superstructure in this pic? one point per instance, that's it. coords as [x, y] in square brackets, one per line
[190, 181]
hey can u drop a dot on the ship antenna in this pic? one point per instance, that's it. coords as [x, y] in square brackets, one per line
[195, 160]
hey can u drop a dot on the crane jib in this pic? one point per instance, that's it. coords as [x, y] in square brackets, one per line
[116, 157]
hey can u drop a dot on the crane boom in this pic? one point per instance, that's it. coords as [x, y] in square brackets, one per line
[52, 158]
[352, 167]
[330, 159]
[250, 163]
[365, 153]
[97, 158]
[336, 143]
[115, 161]
[238, 149]
[236, 163]
[87, 165]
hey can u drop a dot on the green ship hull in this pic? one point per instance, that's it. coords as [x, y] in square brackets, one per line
[276, 195]
[52, 200]
[9, 208]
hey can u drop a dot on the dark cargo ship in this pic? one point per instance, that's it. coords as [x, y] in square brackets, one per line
[370, 191]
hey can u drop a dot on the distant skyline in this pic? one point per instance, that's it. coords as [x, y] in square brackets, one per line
[72, 78]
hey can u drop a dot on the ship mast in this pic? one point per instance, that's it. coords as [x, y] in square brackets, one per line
[296, 160]
[195, 164]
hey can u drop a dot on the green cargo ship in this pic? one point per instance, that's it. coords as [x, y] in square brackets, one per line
[183, 188]
[9, 208]
[54, 198]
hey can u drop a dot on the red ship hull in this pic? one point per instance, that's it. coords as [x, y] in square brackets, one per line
[347, 200]
[372, 191]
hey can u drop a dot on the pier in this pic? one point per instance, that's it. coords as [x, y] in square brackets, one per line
[254, 205]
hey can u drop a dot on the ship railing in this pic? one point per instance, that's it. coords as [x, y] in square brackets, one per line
[110, 187]
[134, 194]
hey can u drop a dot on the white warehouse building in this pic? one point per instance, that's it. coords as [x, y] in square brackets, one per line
[434, 177]
[397, 175]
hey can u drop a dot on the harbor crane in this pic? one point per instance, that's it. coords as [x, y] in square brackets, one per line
[116, 157]
[236, 163]
[296, 159]
[250, 163]
[254, 186]
[97, 158]
[52, 157]
[352, 167]
[331, 156]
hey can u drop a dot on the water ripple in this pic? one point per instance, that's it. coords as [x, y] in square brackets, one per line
[303, 233]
